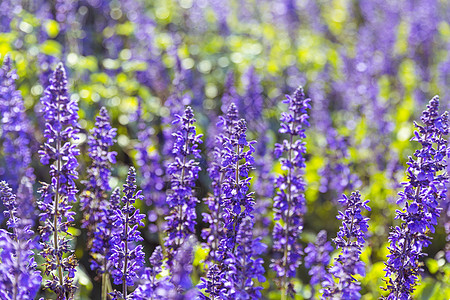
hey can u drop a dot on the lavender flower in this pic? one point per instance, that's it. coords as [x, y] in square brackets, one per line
[99, 172]
[184, 172]
[422, 196]
[289, 202]
[60, 113]
[127, 257]
[18, 276]
[317, 258]
[16, 141]
[351, 239]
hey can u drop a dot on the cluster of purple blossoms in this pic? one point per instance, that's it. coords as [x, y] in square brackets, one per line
[317, 258]
[289, 202]
[60, 113]
[422, 196]
[18, 276]
[16, 140]
[213, 218]
[127, 257]
[99, 172]
[184, 173]
[237, 202]
[233, 264]
[351, 239]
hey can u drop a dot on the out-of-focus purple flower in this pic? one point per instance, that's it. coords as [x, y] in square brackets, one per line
[317, 258]
[61, 115]
[18, 276]
[16, 139]
[126, 256]
[423, 194]
[230, 94]
[289, 202]
[184, 173]
[99, 172]
[104, 233]
[336, 174]
[176, 103]
[252, 105]
[351, 239]
[152, 175]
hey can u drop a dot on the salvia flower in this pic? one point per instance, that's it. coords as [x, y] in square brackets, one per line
[16, 140]
[350, 239]
[289, 202]
[18, 276]
[99, 172]
[217, 173]
[184, 172]
[237, 202]
[60, 113]
[423, 194]
[127, 256]
[317, 258]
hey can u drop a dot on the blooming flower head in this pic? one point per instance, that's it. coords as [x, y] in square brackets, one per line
[351, 239]
[184, 173]
[127, 256]
[289, 202]
[423, 194]
[60, 113]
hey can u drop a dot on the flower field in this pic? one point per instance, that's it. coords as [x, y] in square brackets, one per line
[234, 149]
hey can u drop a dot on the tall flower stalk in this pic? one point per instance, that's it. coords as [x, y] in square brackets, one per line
[350, 239]
[97, 182]
[184, 172]
[289, 202]
[60, 113]
[126, 256]
[215, 232]
[424, 192]
[19, 279]
[239, 267]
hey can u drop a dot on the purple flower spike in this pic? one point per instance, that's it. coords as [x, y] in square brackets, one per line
[289, 202]
[351, 239]
[18, 276]
[422, 196]
[126, 256]
[184, 172]
[97, 183]
[60, 113]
